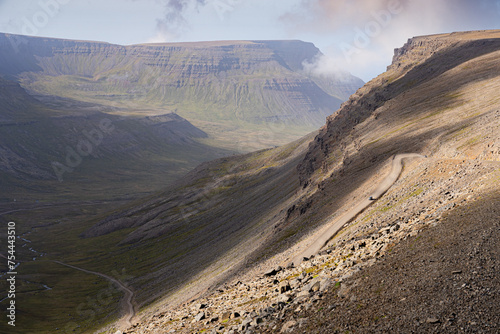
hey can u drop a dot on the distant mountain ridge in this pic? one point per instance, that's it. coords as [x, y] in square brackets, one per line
[43, 144]
[240, 81]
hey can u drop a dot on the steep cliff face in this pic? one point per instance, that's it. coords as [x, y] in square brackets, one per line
[240, 81]
[420, 62]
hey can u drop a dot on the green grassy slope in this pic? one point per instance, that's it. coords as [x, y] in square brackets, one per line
[159, 255]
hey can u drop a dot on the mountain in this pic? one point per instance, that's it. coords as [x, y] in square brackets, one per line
[235, 219]
[241, 95]
[213, 251]
[233, 88]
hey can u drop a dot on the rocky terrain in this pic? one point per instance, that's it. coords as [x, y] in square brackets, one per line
[422, 258]
[432, 269]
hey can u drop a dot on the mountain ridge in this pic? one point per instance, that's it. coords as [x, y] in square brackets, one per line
[211, 82]
[45, 142]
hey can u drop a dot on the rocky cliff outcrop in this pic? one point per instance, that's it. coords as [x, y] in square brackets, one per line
[420, 61]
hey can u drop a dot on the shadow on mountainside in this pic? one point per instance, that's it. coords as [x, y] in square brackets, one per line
[443, 61]
[334, 192]
[186, 230]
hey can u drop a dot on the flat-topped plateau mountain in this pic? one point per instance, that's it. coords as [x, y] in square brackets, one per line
[230, 89]
[240, 95]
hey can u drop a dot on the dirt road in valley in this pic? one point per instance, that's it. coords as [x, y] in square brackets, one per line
[128, 306]
[327, 233]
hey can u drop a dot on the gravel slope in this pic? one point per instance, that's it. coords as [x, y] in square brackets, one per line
[445, 280]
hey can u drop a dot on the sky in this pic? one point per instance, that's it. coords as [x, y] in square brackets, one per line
[358, 36]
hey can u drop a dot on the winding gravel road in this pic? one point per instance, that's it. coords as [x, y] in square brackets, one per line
[128, 297]
[332, 229]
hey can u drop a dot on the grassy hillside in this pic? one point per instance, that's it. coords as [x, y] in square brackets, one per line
[67, 151]
[160, 252]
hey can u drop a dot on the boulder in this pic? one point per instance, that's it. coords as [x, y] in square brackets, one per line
[432, 320]
[225, 316]
[257, 321]
[288, 326]
[326, 284]
[304, 294]
[284, 298]
[199, 317]
[284, 287]
[273, 272]
[244, 325]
